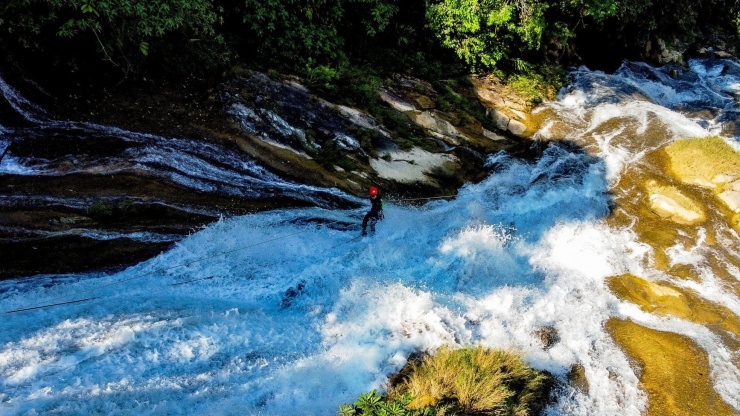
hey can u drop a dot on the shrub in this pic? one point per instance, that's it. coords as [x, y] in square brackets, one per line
[467, 381]
[100, 209]
[475, 381]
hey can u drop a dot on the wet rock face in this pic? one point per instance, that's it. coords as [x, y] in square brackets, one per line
[285, 113]
[549, 336]
[578, 379]
[669, 359]
[711, 164]
[81, 179]
[665, 54]
[352, 145]
[509, 111]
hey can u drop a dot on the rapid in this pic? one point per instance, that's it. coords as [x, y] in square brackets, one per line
[286, 312]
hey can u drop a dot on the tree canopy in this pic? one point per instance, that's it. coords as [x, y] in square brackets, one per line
[130, 37]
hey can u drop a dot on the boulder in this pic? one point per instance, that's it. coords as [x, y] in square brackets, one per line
[411, 166]
[493, 136]
[669, 208]
[436, 124]
[395, 101]
[361, 119]
[670, 203]
[347, 142]
[517, 127]
[731, 199]
[669, 55]
[501, 119]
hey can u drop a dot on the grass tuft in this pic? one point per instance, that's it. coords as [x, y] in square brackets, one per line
[476, 381]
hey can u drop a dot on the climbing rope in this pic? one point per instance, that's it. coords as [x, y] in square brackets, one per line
[190, 262]
[2, 156]
[421, 198]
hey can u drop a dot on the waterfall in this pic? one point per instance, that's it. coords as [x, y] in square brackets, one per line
[285, 312]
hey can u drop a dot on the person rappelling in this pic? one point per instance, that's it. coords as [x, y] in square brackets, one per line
[376, 211]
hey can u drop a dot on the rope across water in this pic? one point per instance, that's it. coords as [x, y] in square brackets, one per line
[53, 302]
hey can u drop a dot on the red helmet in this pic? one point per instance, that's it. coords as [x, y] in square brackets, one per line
[373, 191]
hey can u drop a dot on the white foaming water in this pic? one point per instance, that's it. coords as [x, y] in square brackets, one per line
[13, 166]
[21, 105]
[645, 100]
[312, 320]
[285, 314]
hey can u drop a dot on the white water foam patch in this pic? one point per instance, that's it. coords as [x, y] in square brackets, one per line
[577, 258]
[695, 255]
[14, 166]
[733, 142]
[668, 91]
[709, 287]
[481, 254]
[719, 76]
[366, 336]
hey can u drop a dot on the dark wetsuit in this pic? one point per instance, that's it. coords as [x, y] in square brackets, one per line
[374, 215]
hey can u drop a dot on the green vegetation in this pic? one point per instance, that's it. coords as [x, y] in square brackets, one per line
[322, 39]
[373, 404]
[123, 33]
[103, 210]
[467, 381]
[537, 85]
[100, 209]
[483, 33]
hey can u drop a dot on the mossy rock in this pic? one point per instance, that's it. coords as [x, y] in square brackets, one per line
[703, 161]
[577, 378]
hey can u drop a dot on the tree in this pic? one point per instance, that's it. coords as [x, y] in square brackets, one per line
[122, 32]
[485, 32]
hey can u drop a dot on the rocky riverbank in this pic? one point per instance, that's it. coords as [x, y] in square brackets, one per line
[81, 199]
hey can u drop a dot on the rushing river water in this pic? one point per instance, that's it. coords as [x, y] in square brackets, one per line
[284, 313]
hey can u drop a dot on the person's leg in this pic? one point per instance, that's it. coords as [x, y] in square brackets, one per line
[373, 221]
[364, 223]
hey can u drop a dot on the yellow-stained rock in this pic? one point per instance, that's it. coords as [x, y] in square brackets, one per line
[735, 186]
[700, 161]
[731, 199]
[666, 299]
[668, 202]
[723, 178]
[710, 163]
[673, 370]
[578, 379]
